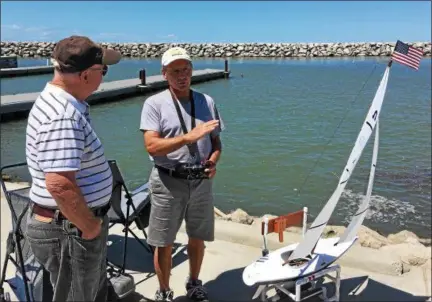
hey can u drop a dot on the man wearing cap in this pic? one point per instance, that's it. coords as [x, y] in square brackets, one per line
[181, 134]
[67, 226]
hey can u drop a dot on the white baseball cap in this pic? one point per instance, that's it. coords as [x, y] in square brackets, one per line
[173, 54]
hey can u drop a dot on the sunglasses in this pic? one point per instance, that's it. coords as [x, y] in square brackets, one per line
[104, 69]
[179, 71]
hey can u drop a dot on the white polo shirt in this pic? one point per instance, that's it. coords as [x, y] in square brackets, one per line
[59, 137]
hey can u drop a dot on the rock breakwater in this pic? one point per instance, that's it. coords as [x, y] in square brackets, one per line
[406, 248]
[227, 50]
[368, 237]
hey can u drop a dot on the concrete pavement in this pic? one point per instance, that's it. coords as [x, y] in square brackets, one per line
[225, 260]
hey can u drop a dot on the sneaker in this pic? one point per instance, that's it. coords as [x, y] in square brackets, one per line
[167, 295]
[196, 291]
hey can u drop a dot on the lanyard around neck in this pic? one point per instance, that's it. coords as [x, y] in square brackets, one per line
[193, 148]
[180, 115]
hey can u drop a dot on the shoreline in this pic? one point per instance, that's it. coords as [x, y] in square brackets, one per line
[379, 240]
[397, 255]
[34, 49]
[240, 216]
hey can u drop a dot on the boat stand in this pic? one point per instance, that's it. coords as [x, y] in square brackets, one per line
[284, 289]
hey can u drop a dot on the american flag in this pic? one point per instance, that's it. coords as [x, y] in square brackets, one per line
[407, 55]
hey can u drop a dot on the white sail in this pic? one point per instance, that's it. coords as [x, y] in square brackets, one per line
[357, 221]
[313, 234]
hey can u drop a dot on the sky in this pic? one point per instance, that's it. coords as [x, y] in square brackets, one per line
[218, 21]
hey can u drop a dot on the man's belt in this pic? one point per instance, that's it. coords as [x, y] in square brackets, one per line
[52, 213]
[171, 172]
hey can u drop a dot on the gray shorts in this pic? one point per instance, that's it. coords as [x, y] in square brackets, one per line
[174, 199]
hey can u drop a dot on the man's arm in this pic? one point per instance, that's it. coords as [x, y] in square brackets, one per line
[60, 147]
[214, 156]
[65, 191]
[157, 146]
[216, 149]
[215, 135]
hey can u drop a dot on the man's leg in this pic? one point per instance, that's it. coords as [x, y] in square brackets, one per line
[196, 256]
[76, 266]
[88, 264]
[194, 287]
[168, 204]
[102, 295]
[162, 263]
[200, 228]
[46, 238]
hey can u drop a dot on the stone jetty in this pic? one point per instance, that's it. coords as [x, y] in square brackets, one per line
[226, 50]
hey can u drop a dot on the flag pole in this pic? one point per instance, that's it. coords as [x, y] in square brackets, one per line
[389, 64]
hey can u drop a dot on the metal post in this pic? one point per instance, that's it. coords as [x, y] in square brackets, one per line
[265, 250]
[305, 213]
[337, 293]
[226, 72]
[142, 76]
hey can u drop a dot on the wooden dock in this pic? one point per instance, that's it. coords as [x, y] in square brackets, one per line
[18, 105]
[25, 71]
[8, 62]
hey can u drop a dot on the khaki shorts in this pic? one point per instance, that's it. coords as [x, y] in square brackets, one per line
[174, 199]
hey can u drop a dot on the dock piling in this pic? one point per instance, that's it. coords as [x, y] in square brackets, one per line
[8, 62]
[226, 71]
[142, 76]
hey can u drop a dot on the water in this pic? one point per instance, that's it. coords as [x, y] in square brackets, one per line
[282, 148]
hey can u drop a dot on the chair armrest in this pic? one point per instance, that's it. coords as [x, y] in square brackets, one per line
[140, 189]
[137, 202]
[12, 166]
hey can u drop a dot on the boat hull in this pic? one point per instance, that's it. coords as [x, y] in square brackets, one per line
[270, 269]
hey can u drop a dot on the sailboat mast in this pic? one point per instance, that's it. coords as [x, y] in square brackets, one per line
[404, 54]
[305, 247]
[358, 218]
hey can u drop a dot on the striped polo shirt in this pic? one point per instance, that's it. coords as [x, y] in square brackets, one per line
[59, 137]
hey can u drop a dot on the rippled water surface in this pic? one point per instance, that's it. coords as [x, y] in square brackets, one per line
[283, 148]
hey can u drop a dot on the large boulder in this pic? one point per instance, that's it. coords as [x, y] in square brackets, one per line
[400, 267]
[367, 237]
[427, 266]
[415, 254]
[240, 216]
[403, 237]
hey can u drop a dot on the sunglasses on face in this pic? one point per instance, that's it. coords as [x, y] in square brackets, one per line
[104, 69]
[179, 71]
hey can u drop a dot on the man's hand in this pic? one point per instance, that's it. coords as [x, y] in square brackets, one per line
[65, 191]
[210, 168]
[94, 232]
[214, 156]
[157, 146]
[201, 130]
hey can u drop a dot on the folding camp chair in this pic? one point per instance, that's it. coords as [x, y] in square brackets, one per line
[127, 208]
[31, 281]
